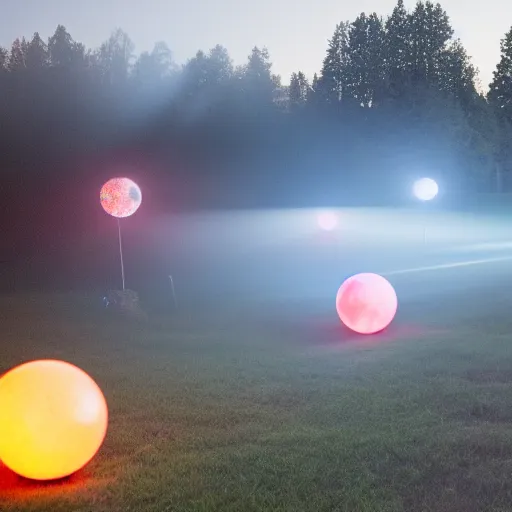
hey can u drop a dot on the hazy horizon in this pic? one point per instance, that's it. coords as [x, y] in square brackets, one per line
[295, 36]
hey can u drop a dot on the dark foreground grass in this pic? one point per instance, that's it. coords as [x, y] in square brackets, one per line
[232, 413]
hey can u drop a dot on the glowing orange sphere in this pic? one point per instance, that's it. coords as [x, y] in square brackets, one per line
[53, 419]
[366, 303]
[120, 197]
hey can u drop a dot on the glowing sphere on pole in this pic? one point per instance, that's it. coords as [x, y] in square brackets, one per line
[53, 419]
[327, 221]
[120, 197]
[366, 303]
[425, 189]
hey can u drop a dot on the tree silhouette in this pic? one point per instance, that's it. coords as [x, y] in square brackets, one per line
[332, 78]
[382, 82]
[500, 99]
[298, 90]
[500, 92]
[364, 75]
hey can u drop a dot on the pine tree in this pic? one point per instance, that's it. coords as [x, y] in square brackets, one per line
[331, 83]
[259, 66]
[195, 74]
[60, 47]
[206, 82]
[364, 76]
[257, 82]
[456, 72]
[500, 99]
[313, 88]
[220, 65]
[298, 90]
[397, 51]
[17, 55]
[500, 92]
[37, 53]
[64, 52]
[430, 31]
[294, 90]
[4, 58]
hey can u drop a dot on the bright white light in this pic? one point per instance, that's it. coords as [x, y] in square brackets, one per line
[327, 220]
[425, 189]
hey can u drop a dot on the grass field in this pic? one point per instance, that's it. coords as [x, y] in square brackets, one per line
[282, 410]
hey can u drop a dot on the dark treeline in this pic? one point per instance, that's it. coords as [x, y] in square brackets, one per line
[396, 97]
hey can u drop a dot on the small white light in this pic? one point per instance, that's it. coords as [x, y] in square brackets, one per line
[425, 189]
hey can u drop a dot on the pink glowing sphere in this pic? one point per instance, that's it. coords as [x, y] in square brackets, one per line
[120, 197]
[366, 303]
[327, 220]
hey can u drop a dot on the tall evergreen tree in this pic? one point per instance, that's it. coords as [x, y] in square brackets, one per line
[195, 72]
[60, 48]
[220, 65]
[4, 58]
[430, 31]
[364, 75]
[206, 80]
[456, 72]
[331, 83]
[298, 90]
[315, 83]
[37, 53]
[294, 90]
[500, 89]
[18, 55]
[397, 51]
[257, 82]
[64, 52]
[258, 69]
[500, 99]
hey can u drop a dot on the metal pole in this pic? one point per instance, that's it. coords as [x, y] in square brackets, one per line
[120, 250]
[173, 293]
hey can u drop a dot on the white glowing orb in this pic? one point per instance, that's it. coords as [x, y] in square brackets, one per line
[327, 220]
[425, 189]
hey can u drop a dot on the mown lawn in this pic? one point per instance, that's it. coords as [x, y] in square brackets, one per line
[242, 412]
